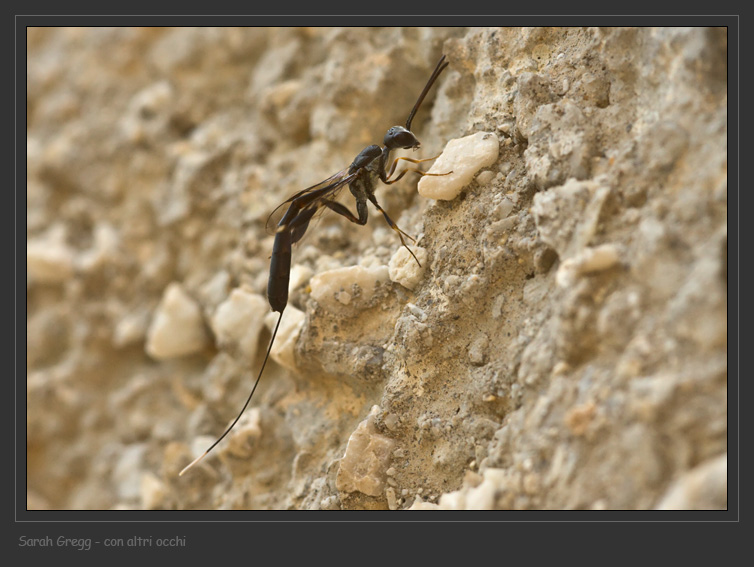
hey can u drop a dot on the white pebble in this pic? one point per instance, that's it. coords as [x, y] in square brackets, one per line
[455, 500]
[463, 157]
[245, 433]
[126, 470]
[702, 488]
[485, 177]
[392, 501]
[587, 261]
[215, 290]
[480, 497]
[417, 312]
[364, 465]
[131, 329]
[48, 258]
[343, 296]
[106, 242]
[359, 282]
[177, 327]
[419, 504]
[299, 275]
[478, 350]
[155, 101]
[152, 491]
[284, 349]
[404, 270]
[238, 321]
[567, 215]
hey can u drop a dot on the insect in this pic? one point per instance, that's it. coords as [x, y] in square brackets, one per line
[368, 167]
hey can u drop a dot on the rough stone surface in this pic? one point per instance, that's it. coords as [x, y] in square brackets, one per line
[364, 465]
[155, 156]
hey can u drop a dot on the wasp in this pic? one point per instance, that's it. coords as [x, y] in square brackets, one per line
[361, 177]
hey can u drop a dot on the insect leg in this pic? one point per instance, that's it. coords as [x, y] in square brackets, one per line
[395, 227]
[402, 173]
[343, 211]
[395, 164]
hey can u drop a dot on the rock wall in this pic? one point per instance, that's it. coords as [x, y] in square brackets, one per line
[563, 345]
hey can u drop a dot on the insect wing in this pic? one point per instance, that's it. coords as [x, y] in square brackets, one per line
[328, 187]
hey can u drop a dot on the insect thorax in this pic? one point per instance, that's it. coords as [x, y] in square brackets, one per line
[367, 156]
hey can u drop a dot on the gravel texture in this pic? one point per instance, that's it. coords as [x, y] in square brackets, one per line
[563, 345]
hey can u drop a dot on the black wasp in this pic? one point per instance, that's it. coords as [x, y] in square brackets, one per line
[369, 166]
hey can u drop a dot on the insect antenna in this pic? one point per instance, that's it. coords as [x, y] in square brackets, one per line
[441, 64]
[266, 356]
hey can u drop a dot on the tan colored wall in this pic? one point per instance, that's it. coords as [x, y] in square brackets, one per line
[566, 346]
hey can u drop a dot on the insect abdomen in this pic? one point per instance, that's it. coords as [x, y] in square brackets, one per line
[280, 269]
